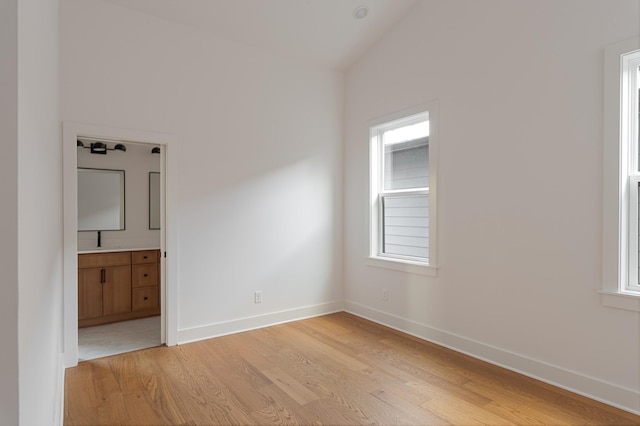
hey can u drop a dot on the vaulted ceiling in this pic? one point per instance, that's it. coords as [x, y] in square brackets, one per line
[322, 31]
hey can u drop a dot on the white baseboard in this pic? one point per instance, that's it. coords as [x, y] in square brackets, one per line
[251, 323]
[608, 393]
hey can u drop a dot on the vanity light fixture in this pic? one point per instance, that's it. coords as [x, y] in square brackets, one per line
[98, 148]
[101, 147]
[155, 150]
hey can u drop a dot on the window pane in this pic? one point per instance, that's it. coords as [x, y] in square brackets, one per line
[406, 165]
[406, 133]
[406, 225]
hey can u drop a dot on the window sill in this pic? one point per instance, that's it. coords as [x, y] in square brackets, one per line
[403, 266]
[628, 301]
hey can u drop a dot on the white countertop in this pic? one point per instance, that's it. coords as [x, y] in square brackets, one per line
[115, 249]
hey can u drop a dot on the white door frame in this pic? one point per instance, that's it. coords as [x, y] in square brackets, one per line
[168, 232]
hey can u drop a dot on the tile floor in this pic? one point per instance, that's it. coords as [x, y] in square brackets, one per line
[117, 338]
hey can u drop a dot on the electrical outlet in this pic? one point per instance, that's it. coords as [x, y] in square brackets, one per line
[257, 297]
[385, 294]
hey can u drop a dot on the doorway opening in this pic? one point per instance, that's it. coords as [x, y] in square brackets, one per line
[118, 247]
[116, 287]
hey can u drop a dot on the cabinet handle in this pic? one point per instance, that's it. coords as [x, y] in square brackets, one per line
[103, 277]
[144, 257]
[146, 298]
[146, 275]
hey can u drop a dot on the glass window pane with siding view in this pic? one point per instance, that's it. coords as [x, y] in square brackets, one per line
[406, 165]
[405, 216]
[406, 225]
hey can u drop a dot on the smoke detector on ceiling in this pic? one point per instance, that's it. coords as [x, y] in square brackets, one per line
[360, 12]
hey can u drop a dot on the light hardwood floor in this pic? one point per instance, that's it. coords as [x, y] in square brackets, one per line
[337, 369]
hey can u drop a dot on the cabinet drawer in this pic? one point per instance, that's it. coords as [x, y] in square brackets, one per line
[145, 298]
[145, 256]
[97, 260]
[145, 275]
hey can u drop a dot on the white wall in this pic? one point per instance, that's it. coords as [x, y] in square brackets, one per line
[39, 225]
[137, 162]
[9, 211]
[520, 92]
[259, 164]
[31, 190]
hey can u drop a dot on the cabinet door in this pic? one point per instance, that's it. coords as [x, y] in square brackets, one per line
[116, 291]
[89, 293]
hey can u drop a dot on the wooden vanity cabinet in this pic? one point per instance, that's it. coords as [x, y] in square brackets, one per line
[103, 291]
[145, 284]
[117, 286]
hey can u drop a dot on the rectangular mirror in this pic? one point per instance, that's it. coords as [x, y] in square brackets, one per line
[154, 200]
[100, 200]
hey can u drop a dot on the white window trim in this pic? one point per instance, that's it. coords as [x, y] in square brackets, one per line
[629, 139]
[407, 265]
[616, 196]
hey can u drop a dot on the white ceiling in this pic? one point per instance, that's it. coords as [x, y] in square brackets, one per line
[322, 31]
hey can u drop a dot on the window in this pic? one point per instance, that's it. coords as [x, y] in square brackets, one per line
[621, 209]
[629, 137]
[402, 191]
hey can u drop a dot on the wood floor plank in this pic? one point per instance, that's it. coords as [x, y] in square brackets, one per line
[296, 390]
[140, 411]
[385, 353]
[386, 357]
[523, 415]
[411, 413]
[319, 361]
[159, 390]
[321, 348]
[80, 405]
[337, 369]
[200, 391]
[459, 412]
[318, 370]
[443, 388]
[239, 381]
[598, 411]
[108, 391]
[498, 394]
[282, 409]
